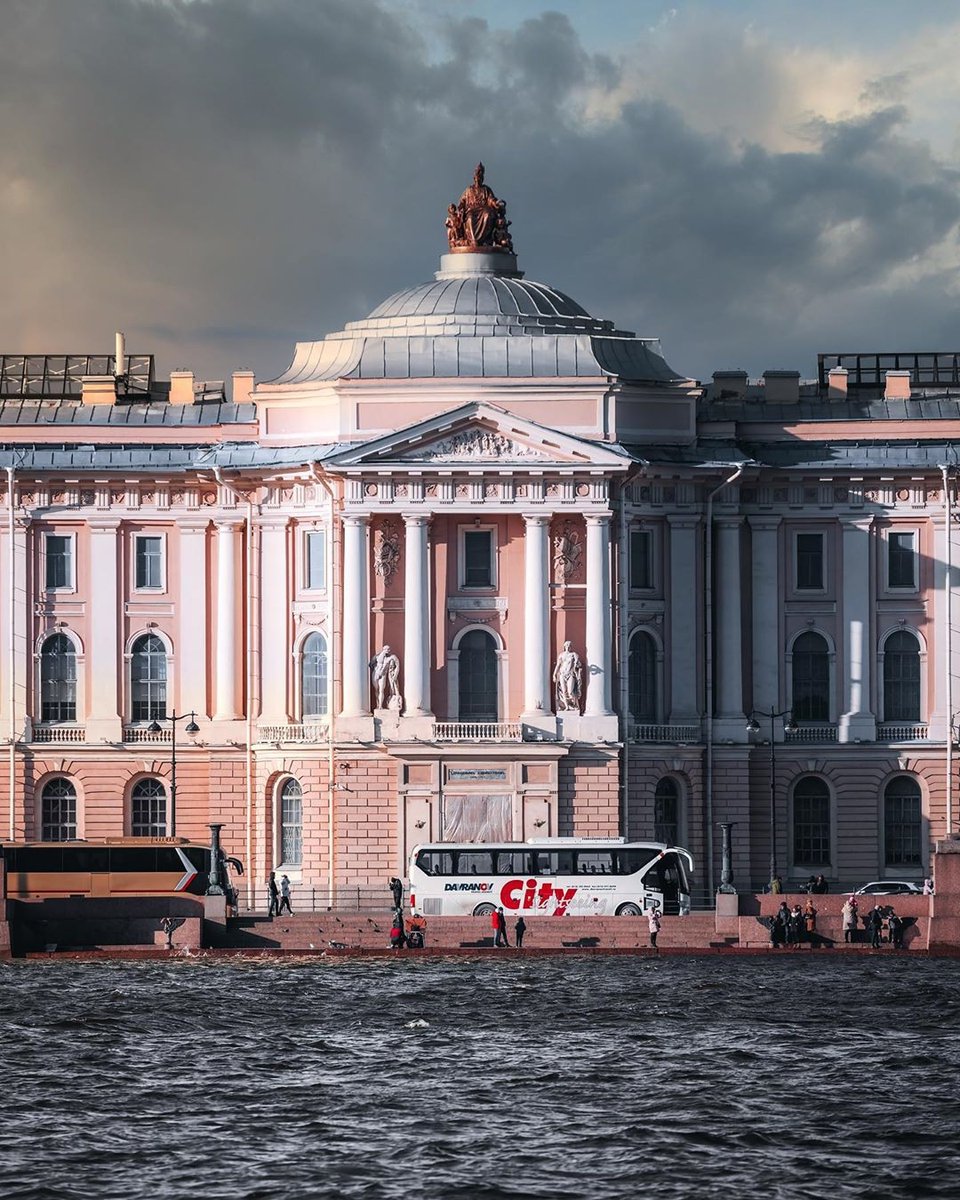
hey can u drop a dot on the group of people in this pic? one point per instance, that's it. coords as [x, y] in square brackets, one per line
[796, 925]
[791, 926]
[278, 895]
[498, 923]
[816, 885]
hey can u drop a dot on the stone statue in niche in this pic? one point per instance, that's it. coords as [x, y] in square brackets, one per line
[386, 679]
[478, 221]
[567, 553]
[386, 551]
[568, 678]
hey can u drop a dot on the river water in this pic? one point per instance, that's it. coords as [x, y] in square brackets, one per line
[550, 1077]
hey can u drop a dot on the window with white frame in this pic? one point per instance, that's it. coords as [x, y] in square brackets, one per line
[901, 677]
[477, 558]
[315, 560]
[148, 809]
[808, 562]
[313, 676]
[641, 559]
[148, 679]
[59, 566]
[291, 823]
[902, 559]
[58, 679]
[148, 556]
[58, 811]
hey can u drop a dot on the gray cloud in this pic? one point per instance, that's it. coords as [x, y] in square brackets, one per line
[222, 177]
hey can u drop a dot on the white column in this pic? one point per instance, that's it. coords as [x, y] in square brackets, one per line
[355, 639]
[103, 652]
[227, 624]
[685, 605]
[276, 649]
[767, 646]
[728, 637]
[599, 666]
[857, 720]
[416, 617]
[536, 630]
[192, 623]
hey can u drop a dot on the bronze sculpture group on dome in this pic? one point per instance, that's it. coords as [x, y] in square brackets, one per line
[478, 223]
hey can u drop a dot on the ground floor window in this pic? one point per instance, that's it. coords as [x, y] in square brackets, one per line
[148, 809]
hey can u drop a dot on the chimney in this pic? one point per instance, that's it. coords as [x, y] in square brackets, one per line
[98, 389]
[120, 355]
[837, 383]
[726, 383]
[242, 387]
[181, 387]
[781, 387]
[896, 385]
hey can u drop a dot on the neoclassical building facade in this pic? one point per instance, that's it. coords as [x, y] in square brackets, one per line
[481, 566]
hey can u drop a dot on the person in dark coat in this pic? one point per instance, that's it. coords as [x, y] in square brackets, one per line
[273, 892]
[396, 888]
[500, 938]
[895, 927]
[820, 887]
[398, 936]
[795, 926]
[518, 931]
[874, 924]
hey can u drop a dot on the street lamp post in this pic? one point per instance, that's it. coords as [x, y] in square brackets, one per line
[753, 725]
[192, 729]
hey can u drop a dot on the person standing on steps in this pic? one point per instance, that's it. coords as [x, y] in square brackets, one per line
[500, 928]
[849, 915]
[273, 892]
[396, 888]
[654, 922]
[284, 895]
[518, 931]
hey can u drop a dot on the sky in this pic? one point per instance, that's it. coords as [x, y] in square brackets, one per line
[751, 181]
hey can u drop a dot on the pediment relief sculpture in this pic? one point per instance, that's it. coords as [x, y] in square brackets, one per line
[474, 445]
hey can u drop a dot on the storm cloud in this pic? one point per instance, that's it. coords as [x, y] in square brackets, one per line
[220, 178]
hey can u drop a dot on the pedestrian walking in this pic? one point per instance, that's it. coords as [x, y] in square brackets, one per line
[273, 894]
[500, 928]
[284, 895]
[653, 920]
[848, 916]
[518, 931]
[396, 888]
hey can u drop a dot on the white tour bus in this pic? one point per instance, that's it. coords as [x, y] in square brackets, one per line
[550, 877]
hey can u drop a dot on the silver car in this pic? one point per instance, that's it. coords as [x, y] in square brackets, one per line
[890, 887]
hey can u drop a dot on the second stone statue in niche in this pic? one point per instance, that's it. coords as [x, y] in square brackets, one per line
[385, 667]
[568, 677]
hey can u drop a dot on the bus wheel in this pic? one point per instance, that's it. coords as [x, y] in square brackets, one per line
[483, 910]
[628, 910]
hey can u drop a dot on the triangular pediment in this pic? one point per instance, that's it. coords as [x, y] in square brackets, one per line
[479, 434]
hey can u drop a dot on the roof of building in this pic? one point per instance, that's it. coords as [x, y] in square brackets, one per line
[70, 412]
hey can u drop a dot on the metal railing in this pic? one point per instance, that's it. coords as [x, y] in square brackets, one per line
[376, 901]
[58, 733]
[478, 731]
[811, 734]
[663, 733]
[309, 732]
[890, 731]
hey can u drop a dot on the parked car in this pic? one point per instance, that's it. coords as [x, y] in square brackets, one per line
[890, 887]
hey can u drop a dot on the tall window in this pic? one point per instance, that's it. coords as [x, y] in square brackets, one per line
[901, 559]
[148, 562]
[811, 822]
[58, 679]
[59, 565]
[642, 678]
[477, 558]
[479, 677]
[58, 811]
[148, 809]
[315, 559]
[902, 823]
[641, 558]
[291, 824]
[901, 677]
[811, 678]
[148, 679]
[809, 550]
[313, 676]
[666, 812]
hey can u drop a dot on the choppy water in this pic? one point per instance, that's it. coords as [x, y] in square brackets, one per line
[592, 1077]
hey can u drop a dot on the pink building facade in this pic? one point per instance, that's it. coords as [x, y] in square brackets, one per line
[481, 566]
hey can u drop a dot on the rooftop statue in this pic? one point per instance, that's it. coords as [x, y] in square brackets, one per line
[478, 221]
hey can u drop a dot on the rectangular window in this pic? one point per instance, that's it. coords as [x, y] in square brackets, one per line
[901, 559]
[149, 813]
[901, 831]
[811, 830]
[809, 548]
[477, 558]
[641, 559]
[315, 560]
[148, 562]
[59, 555]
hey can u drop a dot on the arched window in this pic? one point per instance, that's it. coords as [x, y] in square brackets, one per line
[148, 809]
[291, 824]
[479, 677]
[811, 822]
[642, 677]
[148, 679]
[902, 845]
[901, 677]
[58, 811]
[313, 676]
[58, 679]
[666, 812]
[811, 678]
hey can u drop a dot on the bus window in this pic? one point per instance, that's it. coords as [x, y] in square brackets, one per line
[86, 858]
[37, 858]
[199, 857]
[553, 862]
[513, 862]
[169, 860]
[594, 862]
[435, 862]
[475, 862]
[133, 858]
[628, 862]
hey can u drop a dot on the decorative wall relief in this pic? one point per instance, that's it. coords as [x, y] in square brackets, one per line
[386, 550]
[474, 444]
[568, 554]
